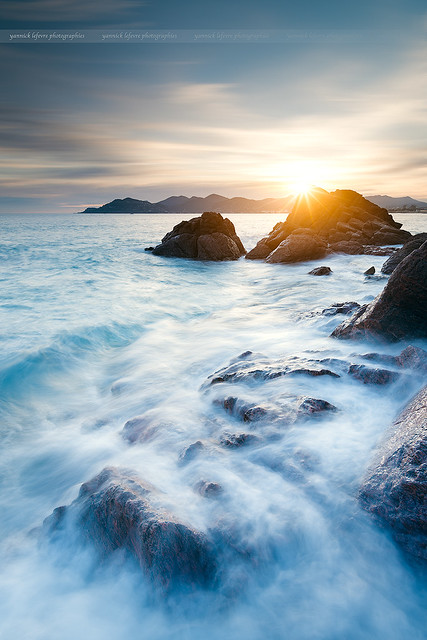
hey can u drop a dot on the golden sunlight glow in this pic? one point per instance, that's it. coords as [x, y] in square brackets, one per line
[301, 188]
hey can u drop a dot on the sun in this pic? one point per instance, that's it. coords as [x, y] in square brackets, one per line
[301, 187]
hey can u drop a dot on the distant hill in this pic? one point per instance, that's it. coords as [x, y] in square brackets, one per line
[394, 204]
[215, 202]
[195, 204]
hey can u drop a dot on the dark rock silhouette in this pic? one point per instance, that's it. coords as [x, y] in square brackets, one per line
[395, 487]
[119, 510]
[340, 221]
[369, 272]
[320, 271]
[208, 237]
[400, 310]
[414, 243]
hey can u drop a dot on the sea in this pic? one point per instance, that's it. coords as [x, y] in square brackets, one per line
[96, 331]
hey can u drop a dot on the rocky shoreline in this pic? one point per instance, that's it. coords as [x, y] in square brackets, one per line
[118, 509]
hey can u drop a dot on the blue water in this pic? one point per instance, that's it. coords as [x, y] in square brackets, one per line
[96, 331]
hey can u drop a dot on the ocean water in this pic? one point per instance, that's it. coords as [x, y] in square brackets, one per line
[96, 331]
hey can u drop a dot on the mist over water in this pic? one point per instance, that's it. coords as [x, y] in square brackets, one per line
[96, 331]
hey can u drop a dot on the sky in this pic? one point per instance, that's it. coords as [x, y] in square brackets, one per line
[334, 95]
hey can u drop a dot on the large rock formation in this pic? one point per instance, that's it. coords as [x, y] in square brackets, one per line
[208, 237]
[395, 487]
[341, 221]
[118, 510]
[394, 260]
[400, 310]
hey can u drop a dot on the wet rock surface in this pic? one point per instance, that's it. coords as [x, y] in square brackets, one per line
[257, 367]
[399, 312]
[208, 237]
[119, 510]
[344, 308]
[320, 271]
[395, 487]
[370, 375]
[338, 222]
[414, 243]
[410, 358]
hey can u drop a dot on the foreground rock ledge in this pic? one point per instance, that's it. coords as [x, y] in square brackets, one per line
[395, 487]
[400, 310]
[208, 237]
[342, 221]
[119, 510]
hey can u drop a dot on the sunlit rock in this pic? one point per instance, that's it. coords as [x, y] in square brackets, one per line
[208, 237]
[395, 487]
[344, 220]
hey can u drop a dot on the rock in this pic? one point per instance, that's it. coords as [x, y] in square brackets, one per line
[208, 237]
[410, 358]
[257, 367]
[371, 250]
[400, 310]
[119, 510]
[208, 489]
[191, 452]
[320, 271]
[341, 307]
[149, 249]
[388, 235]
[414, 243]
[347, 246]
[343, 218]
[369, 272]
[368, 375]
[310, 406]
[138, 429]
[298, 248]
[234, 440]
[395, 487]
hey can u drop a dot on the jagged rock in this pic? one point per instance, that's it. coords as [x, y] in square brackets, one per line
[388, 235]
[341, 307]
[119, 510]
[297, 248]
[208, 237]
[369, 272]
[414, 243]
[395, 486]
[400, 310]
[320, 271]
[371, 250]
[368, 375]
[243, 410]
[343, 218]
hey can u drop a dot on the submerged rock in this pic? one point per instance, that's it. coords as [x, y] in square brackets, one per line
[235, 440]
[257, 367]
[395, 487]
[191, 452]
[370, 375]
[369, 272]
[208, 237]
[400, 310]
[344, 308]
[119, 510]
[410, 358]
[209, 489]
